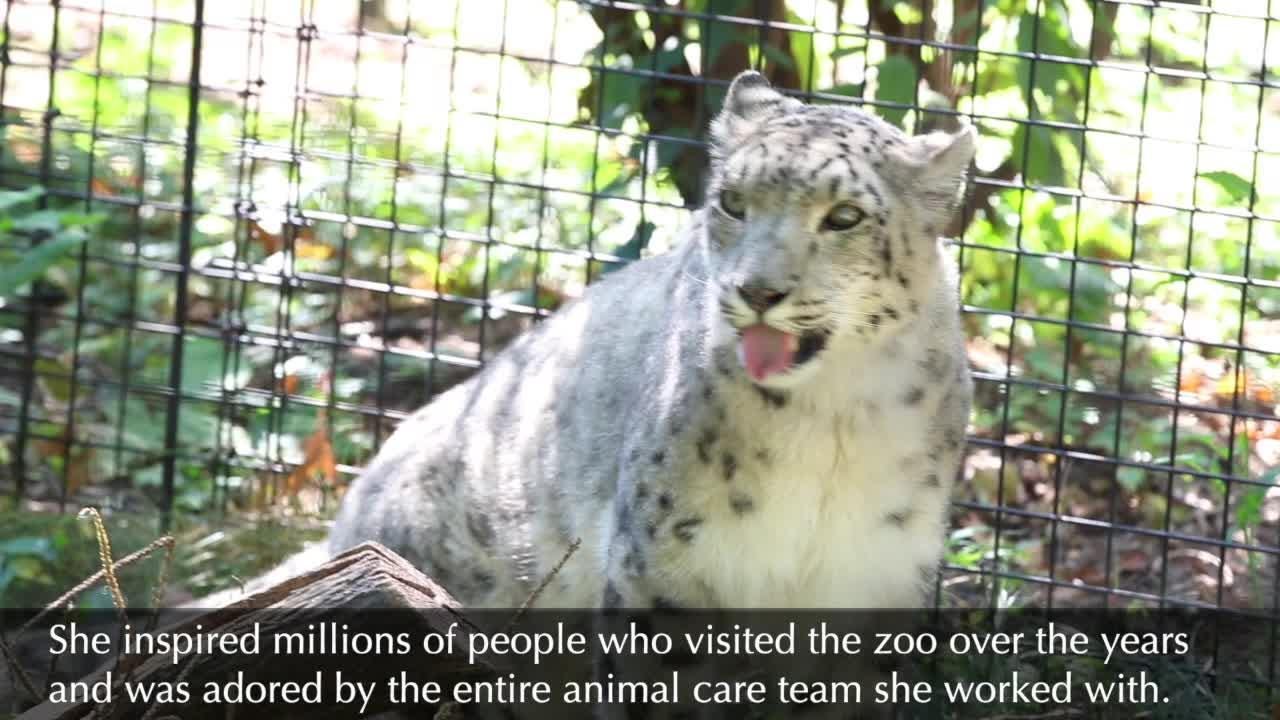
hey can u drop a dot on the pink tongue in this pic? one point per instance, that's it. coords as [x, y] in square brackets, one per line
[767, 351]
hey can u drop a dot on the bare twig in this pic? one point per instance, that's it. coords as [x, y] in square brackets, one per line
[107, 572]
[162, 580]
[533, 596]
[97, 577]
[104, 557]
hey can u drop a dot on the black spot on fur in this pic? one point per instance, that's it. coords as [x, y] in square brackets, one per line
[642, 491]
[663, 603]
[633, 562]
[764, 457]
[741, 504]
[935, 362]
[484, 581]
[612, 598]
[624, 517]
[872, 188]
[900, 517]
[686, 529]
[664, 501]
[913, 396]
[853, 174]
[480, 527]
[931, 480]
[889, 312]
[730, 466]
[825, 163]
[706, 441]
[775, 398]
[658, 457]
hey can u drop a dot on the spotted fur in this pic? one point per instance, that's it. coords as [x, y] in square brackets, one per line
[627, 420]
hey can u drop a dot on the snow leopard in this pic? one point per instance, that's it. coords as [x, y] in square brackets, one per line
[770, 414]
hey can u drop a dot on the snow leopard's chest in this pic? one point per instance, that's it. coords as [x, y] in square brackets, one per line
[820, 510]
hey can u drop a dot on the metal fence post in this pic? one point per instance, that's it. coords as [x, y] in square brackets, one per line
[184, 261]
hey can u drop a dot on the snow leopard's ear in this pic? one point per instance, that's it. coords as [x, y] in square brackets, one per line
[932, 168]
[750, 101]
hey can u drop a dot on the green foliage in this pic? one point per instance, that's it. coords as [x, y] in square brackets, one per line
[53, 234]
[1236, 188]
[41, 556]
[895, 83]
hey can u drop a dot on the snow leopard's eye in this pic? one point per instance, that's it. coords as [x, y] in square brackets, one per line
[733, 203]
[843, 217]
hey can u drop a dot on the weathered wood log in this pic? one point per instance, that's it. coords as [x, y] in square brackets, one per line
[346, 590]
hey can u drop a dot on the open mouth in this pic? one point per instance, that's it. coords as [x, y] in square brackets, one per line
[766, 351]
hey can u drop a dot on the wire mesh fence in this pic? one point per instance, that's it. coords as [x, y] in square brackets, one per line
[242, 239]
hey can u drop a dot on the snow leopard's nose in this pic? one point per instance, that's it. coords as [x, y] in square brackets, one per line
[760, 297]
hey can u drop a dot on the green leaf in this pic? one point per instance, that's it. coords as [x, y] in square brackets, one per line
[846, 89]
[1043, 157]
[38, 546]
[1060, 84]
[202, 363]
[802, 50]
[848, 50]
[51, 221]
[10, 199]
[896, 82]
[622, 97]
[1130, 478]
[33, 263]
[777, 57]
[1249, 508]
[1236, 188]
[721, 35]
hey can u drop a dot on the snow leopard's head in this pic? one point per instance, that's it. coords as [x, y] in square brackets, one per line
[822, 225]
